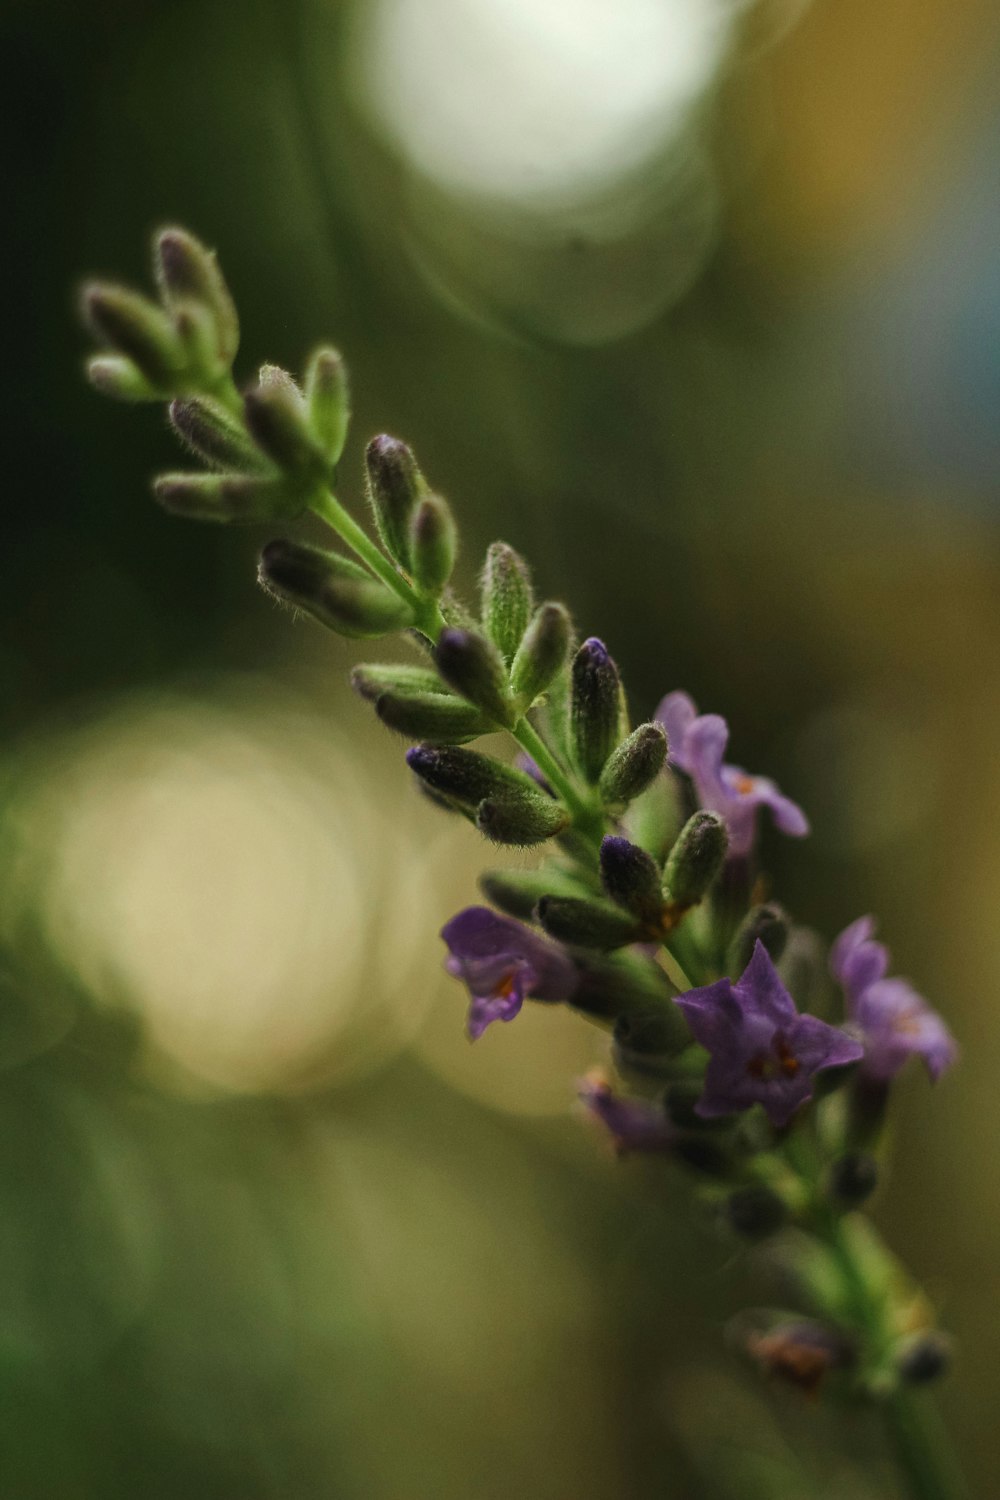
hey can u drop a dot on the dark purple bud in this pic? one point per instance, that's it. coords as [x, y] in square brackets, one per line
[337, 592]
[189, 273]
[596, 709]
[471, 664]
[278, 423]
[924, 1357]
[632, 879]
[215, 435]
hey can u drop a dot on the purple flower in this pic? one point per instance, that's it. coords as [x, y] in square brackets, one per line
[697, 744]
[761, 1050]
[503, 962]
[894, 1022]
[635, 1124]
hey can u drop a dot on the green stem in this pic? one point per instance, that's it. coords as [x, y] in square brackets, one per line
[588, 819]
[429, 617]
[921, 1446]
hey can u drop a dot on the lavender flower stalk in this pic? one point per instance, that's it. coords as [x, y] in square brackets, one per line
[635, 919]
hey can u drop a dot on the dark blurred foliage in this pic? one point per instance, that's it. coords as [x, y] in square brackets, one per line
[779, 491]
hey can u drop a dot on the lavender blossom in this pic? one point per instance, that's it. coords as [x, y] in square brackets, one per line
[503, 962]
[761, 1050]
[697, 743]
[635, 1124]
[895, 1023]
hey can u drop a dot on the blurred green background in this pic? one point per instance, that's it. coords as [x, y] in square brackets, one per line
[697, 303]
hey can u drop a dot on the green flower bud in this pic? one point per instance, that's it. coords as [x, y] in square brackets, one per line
[204, 364]
[769, 925]
[395, 485]
[214, 434]
[755, 1211]
[471, 664]
[695, 860]
[595, 709]
[923, 1357]
[335, 591]
[520, 823]
[433, 544]
[328, 403]
[647, 1041]
[853, 1178]
[226, 497]
[588, 922]
[541, 656]
[613, 985]
[137, 328]
[114, 375]
[508, 598]
[439, 717]
[518, 892]
[189, 273]
[631, 767]
[653, 820]
[278, 423]
[402, 679]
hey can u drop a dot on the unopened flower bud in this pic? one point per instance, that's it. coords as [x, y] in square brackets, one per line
[433, 544]
[612, 985]
[596, 708]
[853, 1178]
[631, 878]
[137, 328]
[769, 925]
[755, 1211]
[337, 592]
[542, 653]
[588, 922]
[695, 860]
[631, 767]
[471, 664]
[440, 717]
[924, 1357]
[520, 822]
[395, 485]
[470, 777]
[278, 422]
[402, 679]
[508, 598]
[518, 892]
[114, 375]
[236, 498]
[189, 273]
[328, 402]
[214, 434]
[646, 1041]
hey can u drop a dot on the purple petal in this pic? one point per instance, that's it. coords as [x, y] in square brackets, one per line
[855, 960]
[712, 1013]
[635, 1124]
[485, 1009]
[704, 747]
[761, 992]
[677, 713]
[897, 1024]
[788, 816]
[486, 947]
[816, 1045]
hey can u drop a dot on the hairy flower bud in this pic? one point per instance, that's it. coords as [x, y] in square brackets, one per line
[114, 375]
[508, 598]
[335, 591]
[588, 922]
[695, 860]
[518, 892]
[769, 924]
[402, 679]
[632, 879]
[189, 273]
[433, 544]
[246, 498]
[328, 402]
[542, 653]
[440, 717]
[138, 329]
[521, 823]
[279, 424]
[631, 767]
[596, 708]
[214, 434]
[471, 664]
[395, 486]
[471, 778]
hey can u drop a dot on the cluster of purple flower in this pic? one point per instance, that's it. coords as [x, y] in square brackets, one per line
[760, 1048]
